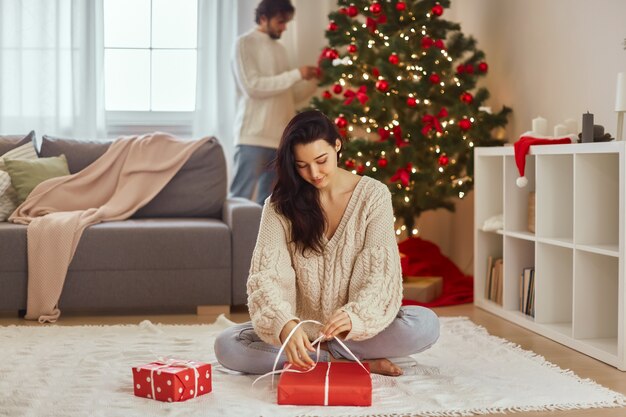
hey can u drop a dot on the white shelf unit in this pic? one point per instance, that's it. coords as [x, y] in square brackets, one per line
[577, 249]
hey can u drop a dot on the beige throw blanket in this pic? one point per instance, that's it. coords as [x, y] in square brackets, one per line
[124, 179]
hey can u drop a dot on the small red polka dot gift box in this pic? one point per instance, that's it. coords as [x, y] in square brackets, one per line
[172, 380]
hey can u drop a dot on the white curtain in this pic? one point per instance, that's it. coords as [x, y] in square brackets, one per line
[215, 87]
[50, 63]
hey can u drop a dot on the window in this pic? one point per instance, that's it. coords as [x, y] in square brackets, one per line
[150, 54]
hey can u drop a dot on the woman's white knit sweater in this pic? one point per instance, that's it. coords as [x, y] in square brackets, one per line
[358, 272]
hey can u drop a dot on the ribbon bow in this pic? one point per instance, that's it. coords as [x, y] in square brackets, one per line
[360, 94]
[176, 363]
[372, 24]
[317, 358]
[342, 61]
[432, 121]
[403, 174]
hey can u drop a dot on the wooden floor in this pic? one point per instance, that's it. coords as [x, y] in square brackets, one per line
[582, 365]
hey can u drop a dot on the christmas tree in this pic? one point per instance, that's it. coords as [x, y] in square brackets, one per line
[402, 89]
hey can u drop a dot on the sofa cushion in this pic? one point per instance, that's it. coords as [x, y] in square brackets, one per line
[9, 142]
[197, 190]
[79, 154]
[8, 197]
[26, 174]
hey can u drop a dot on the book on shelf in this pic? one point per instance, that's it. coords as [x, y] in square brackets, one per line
[527, 291]
[493, 282]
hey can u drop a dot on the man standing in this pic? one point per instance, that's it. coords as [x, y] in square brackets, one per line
[268, 90]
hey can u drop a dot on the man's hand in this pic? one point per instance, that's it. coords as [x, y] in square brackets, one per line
[308, 72]
[296, 349]
[338, 324]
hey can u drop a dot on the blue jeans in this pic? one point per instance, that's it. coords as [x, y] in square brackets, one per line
[252, 165]
[414, 330]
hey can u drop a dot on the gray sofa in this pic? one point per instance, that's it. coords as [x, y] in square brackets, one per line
[189, 247]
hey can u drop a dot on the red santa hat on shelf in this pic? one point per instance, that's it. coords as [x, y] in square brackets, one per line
[529, 139]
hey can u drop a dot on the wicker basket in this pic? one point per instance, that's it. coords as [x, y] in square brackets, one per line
[531, 212]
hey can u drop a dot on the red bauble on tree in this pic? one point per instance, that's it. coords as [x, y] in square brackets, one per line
[382, 162]
[352, 48]
[483, 67]
[332, 26]
[394, 59]
[443, 160]
[382, 85]
[411, 102]
[337, 88]
[460, 69]
[349, 164]
[434, 78]
[327, 95]
[469, 68]
[465, 124]
[331, 53]
[467, 98]
[376, 8]
[360, 169]
[439, 44]
[341, 122]
[427, 42]
[400, 6]
[437, 9]
[352, 10]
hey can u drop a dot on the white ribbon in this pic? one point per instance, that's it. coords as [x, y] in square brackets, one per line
[317, 358]
[342, 61]
[168, 362]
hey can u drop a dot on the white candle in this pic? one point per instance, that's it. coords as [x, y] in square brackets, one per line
[540, 126]
[572, 126]
[560, 131]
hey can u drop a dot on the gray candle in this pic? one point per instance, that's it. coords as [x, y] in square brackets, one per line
[587, 135]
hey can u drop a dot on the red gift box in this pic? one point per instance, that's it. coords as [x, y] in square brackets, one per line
[172, 380]
[329, 383]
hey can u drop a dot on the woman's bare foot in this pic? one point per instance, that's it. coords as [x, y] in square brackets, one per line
[378, 366]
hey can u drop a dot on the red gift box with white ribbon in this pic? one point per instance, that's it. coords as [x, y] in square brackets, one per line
[172, 380]
[329, 383]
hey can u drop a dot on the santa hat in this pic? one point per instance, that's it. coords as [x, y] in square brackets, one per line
[526, 141]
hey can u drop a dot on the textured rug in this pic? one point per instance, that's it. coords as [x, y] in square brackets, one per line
[86, 371]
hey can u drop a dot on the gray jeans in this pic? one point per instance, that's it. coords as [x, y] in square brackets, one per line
[252, 167]
[414, 330]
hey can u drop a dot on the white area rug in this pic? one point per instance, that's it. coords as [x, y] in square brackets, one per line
[86, 371]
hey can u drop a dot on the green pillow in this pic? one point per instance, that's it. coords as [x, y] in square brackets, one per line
[26, 174]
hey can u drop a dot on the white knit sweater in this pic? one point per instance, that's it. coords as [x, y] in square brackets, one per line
[359, 271]
[268, 89]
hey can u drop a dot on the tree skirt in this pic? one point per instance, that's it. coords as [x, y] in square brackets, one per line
[86, 371]
[426, 260]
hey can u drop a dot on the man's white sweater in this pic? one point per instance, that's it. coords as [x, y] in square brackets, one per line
[268, 90]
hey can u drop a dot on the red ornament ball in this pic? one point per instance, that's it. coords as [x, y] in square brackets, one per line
[443, 160]
[352, 48]
[469, 68]
[437, 10]
[411, 102]
[394, 59]
[349, 164]
[427, 42]
[465, 124]
[352, 10]
[460, 69]
[382, 85]
[376, 8]
[467, 98]
[337, 88]
[343, 10]
[341, 122]
[375, 72]
[434, 78]
[332, 26]
[483, 67]
[439, 44]
[327, 95]
[400, 6]
[382, 162]
[360, 169]
[332, 53]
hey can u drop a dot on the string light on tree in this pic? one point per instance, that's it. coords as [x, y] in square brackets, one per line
[403, 92]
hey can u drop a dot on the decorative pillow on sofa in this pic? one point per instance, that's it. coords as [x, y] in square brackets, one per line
[9, 142]
[197, 190]
[79, 153]
[26, 174]
[8, 197]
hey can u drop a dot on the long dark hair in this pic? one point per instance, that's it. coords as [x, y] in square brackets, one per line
[293, 197]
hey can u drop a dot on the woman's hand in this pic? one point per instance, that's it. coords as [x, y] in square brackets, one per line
[338, 324]
[296, 349]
